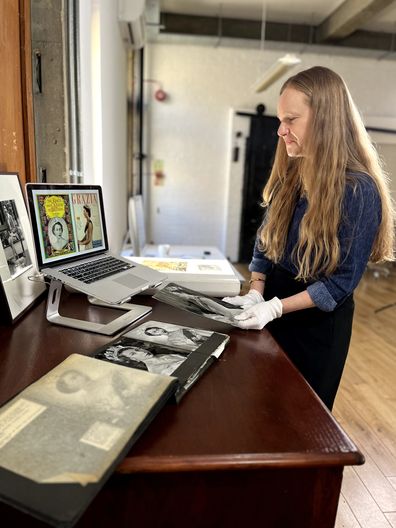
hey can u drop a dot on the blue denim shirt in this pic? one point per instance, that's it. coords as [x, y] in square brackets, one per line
[361, 216]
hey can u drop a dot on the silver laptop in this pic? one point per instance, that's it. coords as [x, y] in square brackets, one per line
[71, 243]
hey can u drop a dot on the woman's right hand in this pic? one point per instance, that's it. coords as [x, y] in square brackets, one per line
[245, 301]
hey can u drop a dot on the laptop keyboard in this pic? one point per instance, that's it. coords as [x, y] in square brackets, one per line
[99, 269]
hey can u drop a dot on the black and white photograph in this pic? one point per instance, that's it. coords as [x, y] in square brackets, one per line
[144, 356]
[13, 239]
[198, 303]
[58, 233]
[174, 336]
[17, 291]
[168, 349]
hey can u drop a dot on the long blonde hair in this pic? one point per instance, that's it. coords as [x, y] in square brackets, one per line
[337, 144]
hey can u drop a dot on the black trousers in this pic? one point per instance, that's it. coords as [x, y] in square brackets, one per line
[317, 342]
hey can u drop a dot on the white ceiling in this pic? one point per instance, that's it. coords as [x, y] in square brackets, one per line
[310, 12]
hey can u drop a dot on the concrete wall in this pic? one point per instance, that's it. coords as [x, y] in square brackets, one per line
[48, 99]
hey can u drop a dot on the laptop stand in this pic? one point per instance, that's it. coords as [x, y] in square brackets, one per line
[134, 312]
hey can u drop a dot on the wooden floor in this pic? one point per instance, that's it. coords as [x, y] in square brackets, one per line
[366, 406]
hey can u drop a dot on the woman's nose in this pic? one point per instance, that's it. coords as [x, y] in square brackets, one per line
[282, 130]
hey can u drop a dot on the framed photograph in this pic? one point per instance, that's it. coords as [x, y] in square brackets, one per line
[17, 292]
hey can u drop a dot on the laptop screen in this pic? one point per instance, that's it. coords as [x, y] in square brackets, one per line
[67, 220]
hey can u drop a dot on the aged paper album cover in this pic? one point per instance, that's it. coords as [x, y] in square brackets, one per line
[62, 437]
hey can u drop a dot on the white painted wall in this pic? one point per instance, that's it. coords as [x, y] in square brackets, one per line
[104, 110]
[386, 145]
[190, 131]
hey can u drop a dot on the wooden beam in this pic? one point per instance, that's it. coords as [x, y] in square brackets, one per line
[173, 23]
[349, 17]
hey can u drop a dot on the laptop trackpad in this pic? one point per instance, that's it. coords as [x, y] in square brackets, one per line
[130, 281]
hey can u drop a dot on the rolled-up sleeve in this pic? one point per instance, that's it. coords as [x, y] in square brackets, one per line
[259, 262]
[361, 216]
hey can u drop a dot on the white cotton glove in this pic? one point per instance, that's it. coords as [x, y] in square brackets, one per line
[258, 315]
[245, 301]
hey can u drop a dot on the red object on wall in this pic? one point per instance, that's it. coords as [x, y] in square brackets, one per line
[160, 95]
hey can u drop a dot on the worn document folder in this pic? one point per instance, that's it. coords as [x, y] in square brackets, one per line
[62, 437]
[168, 349]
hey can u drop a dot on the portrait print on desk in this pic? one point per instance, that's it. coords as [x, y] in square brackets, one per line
[17, 292]
[168, 349]
[62, 437]
[198, 303]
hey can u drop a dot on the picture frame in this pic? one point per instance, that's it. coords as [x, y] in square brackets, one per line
[17, 256]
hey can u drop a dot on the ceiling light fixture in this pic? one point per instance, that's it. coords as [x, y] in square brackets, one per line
[276, 71]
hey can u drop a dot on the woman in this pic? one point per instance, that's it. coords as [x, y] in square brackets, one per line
[184, 338]
[58, 240]
[141, 358]
[88, 230]
[328, 212]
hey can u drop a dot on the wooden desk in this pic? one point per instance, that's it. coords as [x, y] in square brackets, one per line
[249, 445]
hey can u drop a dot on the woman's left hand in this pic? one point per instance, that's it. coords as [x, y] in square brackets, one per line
[258, 315]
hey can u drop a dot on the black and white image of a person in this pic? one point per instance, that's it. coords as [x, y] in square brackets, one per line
[144, 358]
[57, 228]
[183, 337]
[107, 396]
[198, 303]
[12, 238]
[171, 335]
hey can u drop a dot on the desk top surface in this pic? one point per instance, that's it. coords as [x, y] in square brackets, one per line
[251, 409]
